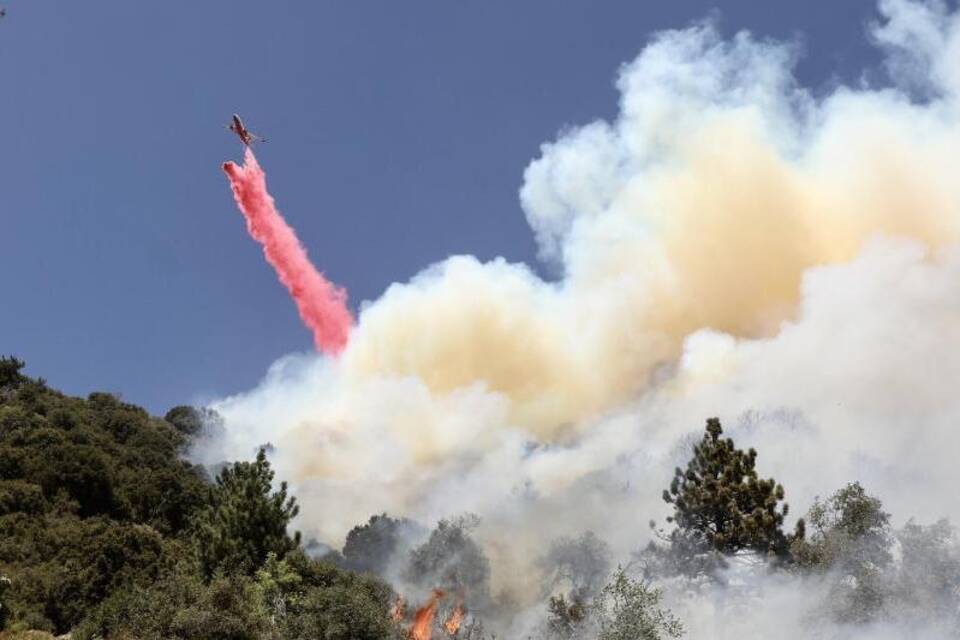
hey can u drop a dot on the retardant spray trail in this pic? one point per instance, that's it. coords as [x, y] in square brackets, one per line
[321, 304]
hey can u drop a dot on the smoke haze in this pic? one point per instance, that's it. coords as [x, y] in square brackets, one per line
[732, 245]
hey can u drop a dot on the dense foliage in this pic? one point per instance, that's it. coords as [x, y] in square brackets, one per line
[294, 598]
[628, 609]
[624, 609]
[370, 547]
[242, 522]
[876, 572]
[94, 497]
[850, 537]
[105, 531]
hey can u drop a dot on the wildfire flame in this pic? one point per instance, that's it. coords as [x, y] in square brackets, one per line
[422, 627]
[452, 625]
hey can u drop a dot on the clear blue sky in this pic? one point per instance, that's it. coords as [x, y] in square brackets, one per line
[398, 135]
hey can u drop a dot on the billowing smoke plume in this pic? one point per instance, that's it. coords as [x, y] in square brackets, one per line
[731, 245]
[322, 306]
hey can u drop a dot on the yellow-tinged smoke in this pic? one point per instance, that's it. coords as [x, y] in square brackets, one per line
[715, 231]
[689, 233]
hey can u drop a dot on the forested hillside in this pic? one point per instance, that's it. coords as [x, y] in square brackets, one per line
[105, 530]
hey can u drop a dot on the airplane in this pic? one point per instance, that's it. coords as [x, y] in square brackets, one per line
[246, 137]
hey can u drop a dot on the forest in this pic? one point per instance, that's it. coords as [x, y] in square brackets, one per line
[107, 530]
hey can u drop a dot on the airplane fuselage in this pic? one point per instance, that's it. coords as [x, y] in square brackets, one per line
[237, 127]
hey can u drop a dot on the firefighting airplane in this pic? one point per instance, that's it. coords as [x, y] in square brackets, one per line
[246, 136]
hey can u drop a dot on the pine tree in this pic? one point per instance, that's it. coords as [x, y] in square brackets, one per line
[244, 521]
[720, 501]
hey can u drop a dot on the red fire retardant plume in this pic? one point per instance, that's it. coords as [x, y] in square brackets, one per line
[321, 304]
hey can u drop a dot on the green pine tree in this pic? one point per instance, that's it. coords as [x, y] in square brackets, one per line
[720, 501]
[244, 520]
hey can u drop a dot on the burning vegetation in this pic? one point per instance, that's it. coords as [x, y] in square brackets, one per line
[731, 243]
[725, 540]
[453, 623]
[725, 534]
[422, 627]
[425, 619]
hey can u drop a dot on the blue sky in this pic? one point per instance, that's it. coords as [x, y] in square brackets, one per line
[398, 132]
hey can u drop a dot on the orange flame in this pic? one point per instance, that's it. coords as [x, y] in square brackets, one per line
[452, 625]
[422, 627]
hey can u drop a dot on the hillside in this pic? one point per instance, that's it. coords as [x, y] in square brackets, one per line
[106, 531]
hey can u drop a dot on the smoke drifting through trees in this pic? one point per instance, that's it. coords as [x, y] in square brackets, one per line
[134, 543]
[731, 244]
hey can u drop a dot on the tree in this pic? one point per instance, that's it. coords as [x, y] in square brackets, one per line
[720, 501]
[193, 421]
[369, 548]
[582, 564]
[847, 528]
[567, 617]
[316, 599]
[627, 609]
[850, 537]
[244, 520]
[452, 561]
[928, 581]
[10, 375]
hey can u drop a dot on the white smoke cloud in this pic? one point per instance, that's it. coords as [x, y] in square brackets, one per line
[730, 246]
